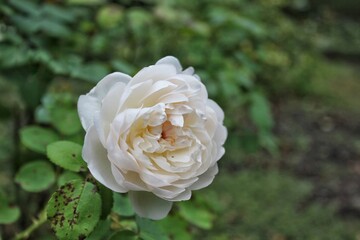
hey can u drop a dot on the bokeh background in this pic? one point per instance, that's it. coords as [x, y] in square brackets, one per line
[286, 73]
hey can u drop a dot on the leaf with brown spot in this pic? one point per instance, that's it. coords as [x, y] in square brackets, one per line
[74, 210]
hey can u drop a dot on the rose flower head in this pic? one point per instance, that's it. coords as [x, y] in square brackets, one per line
[156, 135]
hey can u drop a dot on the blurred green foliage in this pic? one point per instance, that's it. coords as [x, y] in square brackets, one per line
[249, 53]
[239, 48]
[273, 205]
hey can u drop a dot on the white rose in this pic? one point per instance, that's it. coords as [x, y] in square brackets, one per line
[155, 135]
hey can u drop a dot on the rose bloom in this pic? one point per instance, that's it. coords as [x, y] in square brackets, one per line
[155, 135]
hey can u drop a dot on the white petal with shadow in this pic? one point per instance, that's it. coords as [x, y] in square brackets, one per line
[88, 108]
[96, 157]
[206, 178]
[148, 205]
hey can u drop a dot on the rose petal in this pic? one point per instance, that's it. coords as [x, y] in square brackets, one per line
[110, 105]
[184, 196]
[88, 108]
[89, 104]
[219, 112]
[157, 90]
[172, 61]
[220, 134]
[189, 71]
[173, 98]
[155, 72]
[105, 84]
[132, 97]
[168, 193]
[176, 120]
[221, 153]
[133, 182]
[148, 205]
[96, 157]
[122, 159]
[206, 178]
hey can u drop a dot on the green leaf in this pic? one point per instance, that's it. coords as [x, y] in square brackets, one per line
[36, 138]
[176, 228]
[42, 115]
[67, 64]
[56, 12]
[150, 230]
[268, 141]
[109, 16]
[138, 19]
[8, 213]
[122, 205]
[54, 28]
[92, 72]
[86, 2]
[25, 6]
[106, 199]
[26, 24]
[124, 235]
[12, 56]
[123, 66]
[74, 210]
[101, 231]
[196, 215]
[260, 111]
[68, 176]
[67, 155]
[65, 120]
[249, 25]
[36, 176]
[210, 199]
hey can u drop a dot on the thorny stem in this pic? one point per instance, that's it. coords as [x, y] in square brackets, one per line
[36, 224]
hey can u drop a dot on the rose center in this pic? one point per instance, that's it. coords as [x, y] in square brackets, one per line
[167, 132]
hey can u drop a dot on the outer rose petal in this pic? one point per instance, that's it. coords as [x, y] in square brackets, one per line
[206, 178]
[109, 107]
[148, 205]
[96, 157]
[221, 131]
[175, 62]
[219, 112]
[105, 84]
[155, 73]
[88, 107]
[89, 104]
[171, 60]
[190, 71]
[221, 134]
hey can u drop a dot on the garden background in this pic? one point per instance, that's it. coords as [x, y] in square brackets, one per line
[286, 73]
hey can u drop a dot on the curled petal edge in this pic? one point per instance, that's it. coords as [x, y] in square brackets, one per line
[148, 205]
